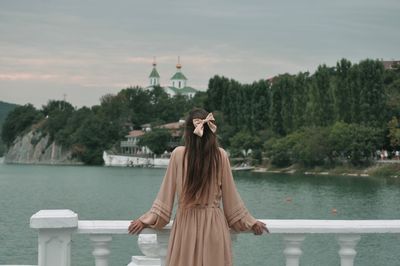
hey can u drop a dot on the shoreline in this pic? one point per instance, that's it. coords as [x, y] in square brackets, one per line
[45, 163]
[376, 170]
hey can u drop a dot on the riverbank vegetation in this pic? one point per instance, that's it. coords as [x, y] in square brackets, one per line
[335, 116]
[90, 131]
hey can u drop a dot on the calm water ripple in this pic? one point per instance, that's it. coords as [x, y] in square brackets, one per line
[123, 193]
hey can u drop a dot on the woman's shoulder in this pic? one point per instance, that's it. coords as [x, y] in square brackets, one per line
[181, 150]
[222, 150]
[178, 150]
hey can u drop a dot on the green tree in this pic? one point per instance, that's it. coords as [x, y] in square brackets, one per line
[217, 89]
[354, 142]
[287, 86]
[321, 99]
[156, 140]
[276, 109]
[17, 121]
[57, 114]
[93, 137]
[260, 105]
[372, 94]
[394, 132]
[300, 99]
[355, 91]
[342, 91]
[244, 141]
[279, 150]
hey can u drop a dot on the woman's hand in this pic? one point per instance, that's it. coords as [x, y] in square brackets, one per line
[259, 227]
[135, 227]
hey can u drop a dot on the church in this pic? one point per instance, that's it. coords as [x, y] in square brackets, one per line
[178, 82]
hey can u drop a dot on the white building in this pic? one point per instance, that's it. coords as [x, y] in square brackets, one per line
[178, 82]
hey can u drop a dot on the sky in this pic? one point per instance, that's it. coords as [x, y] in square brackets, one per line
[83, 49]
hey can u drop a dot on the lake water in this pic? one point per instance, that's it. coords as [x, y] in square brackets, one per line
[97, 193]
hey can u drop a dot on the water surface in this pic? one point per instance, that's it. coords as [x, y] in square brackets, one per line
[98, 193]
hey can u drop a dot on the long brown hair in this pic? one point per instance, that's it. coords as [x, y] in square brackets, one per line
[203, 158]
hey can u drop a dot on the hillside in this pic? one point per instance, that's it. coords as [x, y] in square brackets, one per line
[5, 108]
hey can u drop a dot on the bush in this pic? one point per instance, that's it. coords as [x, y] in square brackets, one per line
[355, 143]
[387, 170]
[279, 150]
[317, 146]
[311, 146]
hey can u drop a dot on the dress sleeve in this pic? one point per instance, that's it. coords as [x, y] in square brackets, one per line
[160, 213]
[236, 213]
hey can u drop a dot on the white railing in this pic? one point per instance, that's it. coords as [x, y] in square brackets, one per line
[57, 226]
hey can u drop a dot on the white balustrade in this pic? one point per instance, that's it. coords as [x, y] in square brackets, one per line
[101, 250]
[293, 251]
[56, 227]
[347, 250]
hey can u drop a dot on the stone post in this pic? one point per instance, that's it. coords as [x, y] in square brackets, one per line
[55, 228]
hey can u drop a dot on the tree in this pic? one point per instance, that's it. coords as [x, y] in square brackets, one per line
[93, 137]
[260, 105]
[17, 121]
[279, 150]
[394, 132]
[342, 91]
[199, 100]
[372, 94]
[300, 99]
[321, 99]
[244, 141]
[156, 140]
[217, 89]
[354, 142]
[355, 91]
[276, 109]
[286, 84]
[57, 114]
[311, 146]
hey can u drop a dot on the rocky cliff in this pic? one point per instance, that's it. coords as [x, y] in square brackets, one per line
[36, 148]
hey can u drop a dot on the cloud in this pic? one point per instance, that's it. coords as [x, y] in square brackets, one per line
[26, 76]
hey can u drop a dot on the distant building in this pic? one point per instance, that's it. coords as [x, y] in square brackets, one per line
[390, 64]
[131, 146]
[271, 80]
[178, 82]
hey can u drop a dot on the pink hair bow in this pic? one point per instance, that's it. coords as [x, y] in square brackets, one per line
[199, 124]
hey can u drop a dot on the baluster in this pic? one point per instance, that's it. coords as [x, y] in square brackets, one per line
[347, 250]
[293, 251]
[154, 245]
[100, 251]
[162, 240]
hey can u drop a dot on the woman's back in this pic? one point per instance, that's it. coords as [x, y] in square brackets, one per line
[200, 177]
[200, 233]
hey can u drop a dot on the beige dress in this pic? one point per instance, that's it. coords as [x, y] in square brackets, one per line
[200, 233]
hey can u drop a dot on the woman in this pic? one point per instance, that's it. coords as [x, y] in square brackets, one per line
[200, 175]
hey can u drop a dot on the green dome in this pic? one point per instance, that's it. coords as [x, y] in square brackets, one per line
[178, 75]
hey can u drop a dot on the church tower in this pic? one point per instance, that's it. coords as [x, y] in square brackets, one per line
[178, 79]
[154, 77]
